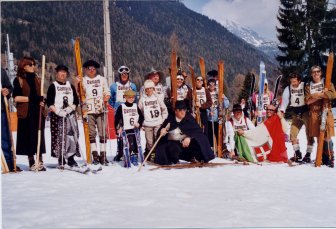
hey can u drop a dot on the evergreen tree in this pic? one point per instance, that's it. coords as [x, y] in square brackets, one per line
[245, 92]
[291, 35]
[315, 13]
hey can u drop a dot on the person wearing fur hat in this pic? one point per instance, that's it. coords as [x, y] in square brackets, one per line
[184, 139]
[62, 101]
[203, 102]
[154, 111]
[128, 117]
[267, 98]
[118, 88]
[97, 95]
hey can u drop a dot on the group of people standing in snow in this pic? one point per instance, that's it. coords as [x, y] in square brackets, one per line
[182, 137]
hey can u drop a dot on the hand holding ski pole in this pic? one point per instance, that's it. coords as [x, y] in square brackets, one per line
[162, 133]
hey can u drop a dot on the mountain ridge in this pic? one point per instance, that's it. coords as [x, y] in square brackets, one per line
[141, 33]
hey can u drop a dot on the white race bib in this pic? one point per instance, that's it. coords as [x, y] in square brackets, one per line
[316, 87]
[297, 96]
[130, 116]
[63, 95]
[201, 96]
[94, 93]
[152, 111]
[239, 125]
[121, 88]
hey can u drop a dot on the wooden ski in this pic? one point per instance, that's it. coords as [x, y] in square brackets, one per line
[197, 165]
[221, 118]
[4, 166]
[37, 165]
[173, 74]
[202, 68]
[196, 110]
[10, 132]
[82, 100]
[326, 107]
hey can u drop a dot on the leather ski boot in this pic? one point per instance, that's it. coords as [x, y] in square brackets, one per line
[103, 159]
[325, 159]
[331, 160]
[72, 162]
[31, 161]
[95, 158]
[306, 158]
[297, 156]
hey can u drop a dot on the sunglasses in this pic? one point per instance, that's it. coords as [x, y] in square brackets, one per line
[199, 80]
[31, 65]
[91, 68]
[317, 71]
[123, 70]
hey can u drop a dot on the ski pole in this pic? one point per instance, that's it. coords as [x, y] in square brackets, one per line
[37, 164]
[104, 128]
[109, 134]
[63, 142]
[74, 129]
[156, 142]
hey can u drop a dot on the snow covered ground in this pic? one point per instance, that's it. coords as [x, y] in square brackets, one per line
[228, 196]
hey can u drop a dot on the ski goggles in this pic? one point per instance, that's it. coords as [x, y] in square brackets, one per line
[123, 69]
[179, 77]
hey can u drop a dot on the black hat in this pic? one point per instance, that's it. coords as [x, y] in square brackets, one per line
[237, 107]
[212, 73]
[90, 63]
[61, 67]
[212, 80]
[180, 105]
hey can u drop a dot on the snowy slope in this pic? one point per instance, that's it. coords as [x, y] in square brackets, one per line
[228, 196]
[253, 38]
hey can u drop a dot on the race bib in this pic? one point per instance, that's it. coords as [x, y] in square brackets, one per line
[297, 96]
[152, 111]
[64, 95]
[130, 116]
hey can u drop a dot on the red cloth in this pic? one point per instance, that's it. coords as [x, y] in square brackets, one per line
[279, 150]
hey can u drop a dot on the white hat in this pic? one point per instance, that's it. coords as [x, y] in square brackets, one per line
[149, 84]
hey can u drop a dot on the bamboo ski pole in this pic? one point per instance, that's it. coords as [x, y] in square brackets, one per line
[150, 152]
[37, 164]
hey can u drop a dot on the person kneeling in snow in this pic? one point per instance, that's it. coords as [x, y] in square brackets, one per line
[183, 140]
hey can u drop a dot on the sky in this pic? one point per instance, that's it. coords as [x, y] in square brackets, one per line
[259, 15]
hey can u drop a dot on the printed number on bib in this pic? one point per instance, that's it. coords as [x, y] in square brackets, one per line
[155, 113]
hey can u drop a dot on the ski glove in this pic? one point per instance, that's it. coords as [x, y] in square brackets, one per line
[61, 113]
[68, 110]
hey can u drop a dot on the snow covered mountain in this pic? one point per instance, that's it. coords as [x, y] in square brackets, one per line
[251, 37]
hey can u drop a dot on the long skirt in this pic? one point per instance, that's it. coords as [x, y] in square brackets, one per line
[64, 136]
[27, 134]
